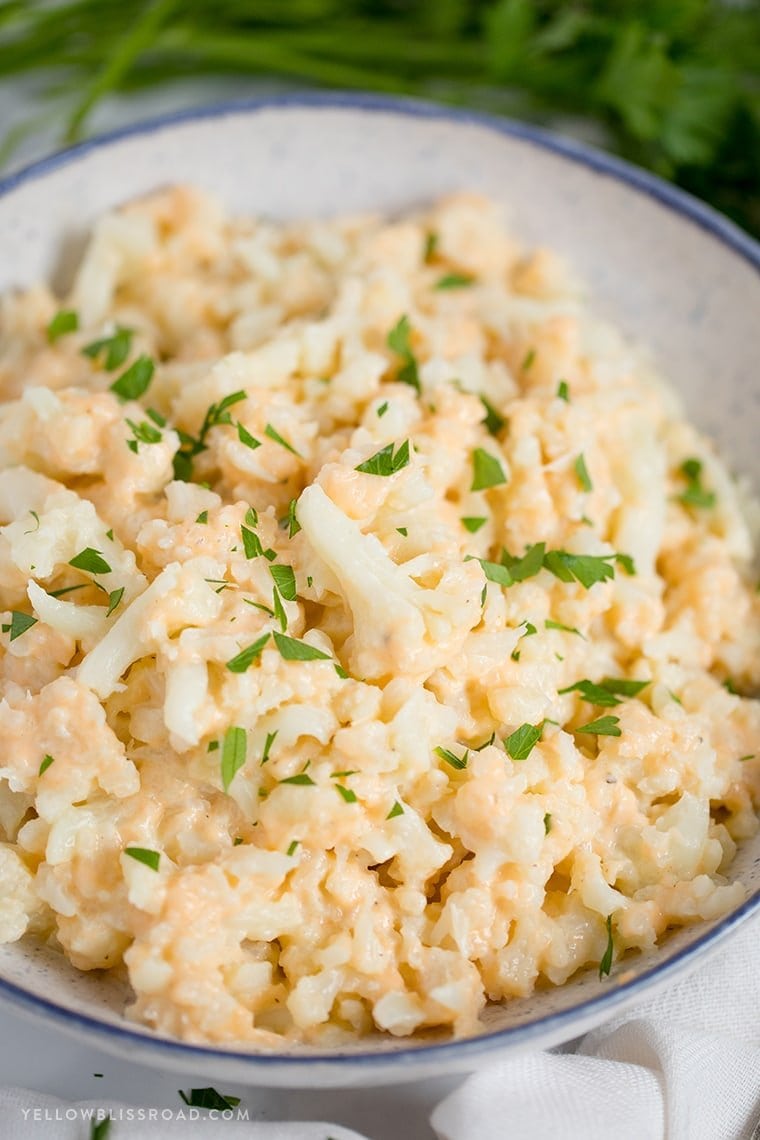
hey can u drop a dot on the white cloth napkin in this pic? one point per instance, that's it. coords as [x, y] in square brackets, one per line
[683, 1066]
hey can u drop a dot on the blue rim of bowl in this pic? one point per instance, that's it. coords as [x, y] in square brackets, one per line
[551, 1025]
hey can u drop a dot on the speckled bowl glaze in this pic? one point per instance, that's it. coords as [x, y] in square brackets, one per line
[668, 270]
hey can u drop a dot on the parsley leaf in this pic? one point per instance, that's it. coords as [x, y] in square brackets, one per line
[234, 748]
[91, 561]
[695, 495]
[398, 340]
[47, 760]
[431, 245]
[397, 809]
[116, 348]
[271, 737]
[624, 688]
[251, 543]
[522, 741]
[454, 281]
[294, 650]
[272, 433]
[143, 433]
[582, 472]
[494, 421]
[473, 523]
[144, 855]
[99, 1129]
[584, 568]
[301, 780]
[594, 694]
[293, 524]
[606, 963]
[549, 624]
[487, 470]
[279, 610]
[604, 726]
[458, 762]
[113, 600]
[202, 518]
[528, 360]
[383, 408]
[245, 437]
[64, 321]
[18, 624]
[385, 462]
[292, 847]
[209, 1098]
[246, 657]
[526, 566]
[134, 382]
[563, 392]
[285, 581]
[547, 822]
[346, 793]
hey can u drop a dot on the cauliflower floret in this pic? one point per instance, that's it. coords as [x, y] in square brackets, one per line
[398, 625]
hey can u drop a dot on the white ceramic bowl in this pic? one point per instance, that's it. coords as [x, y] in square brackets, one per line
[670, 271]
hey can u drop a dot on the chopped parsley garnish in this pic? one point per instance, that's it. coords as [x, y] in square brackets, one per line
[398, 340]
[285, 581]
[293, 524]
[113, 600]
[382, 409]
[245, 437]
[272, 433]
[493, 420]
[144, 855]
[116, 348]
[563, 392]
[251, 543]
[143, 433]
[473, 523]
[64, 321]
[251, 517]
[547, 822]
[271, 737]
[346, 793]
[157, 418]
[209, 1098]
[593, 693]
[582, 472]
[397, 809]
[246, 657]
[695, 494]
[202, 517]
[606, 963]
[341, 672]
[216, 415]
[431, 245]
[91, 561]
[109, 535]
[293, 847]
[487, 471]
[47, 760]
[402, 531]
[99, 1129]
[528, 360]
[454, 281]
[293, 650]
[67, 590]
[234, 748]
[749, 756]
[279, 610]
[730, 687]
[604, 726]
[549, 624]
[34, 529]
[18, 624]
[213, 746]
[386, 462]
[623, 687]
[522, 741]
[301, 780]
[493, 571]
[133, 383]
[587, 569]
[458, 762]
[526, 566]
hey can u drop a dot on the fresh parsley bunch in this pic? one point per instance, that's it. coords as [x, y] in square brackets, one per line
[671, 84]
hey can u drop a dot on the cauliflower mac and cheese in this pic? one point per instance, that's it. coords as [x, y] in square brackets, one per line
[377, 635]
